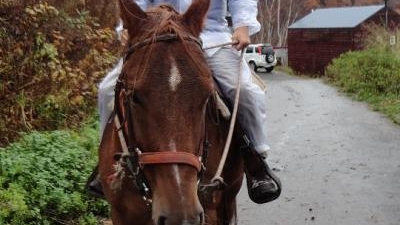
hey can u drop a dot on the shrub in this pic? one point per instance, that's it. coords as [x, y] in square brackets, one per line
[370, 71]
[51, 61]
[42, 179]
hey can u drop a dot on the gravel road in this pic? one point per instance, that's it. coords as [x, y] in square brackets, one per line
[338, 160]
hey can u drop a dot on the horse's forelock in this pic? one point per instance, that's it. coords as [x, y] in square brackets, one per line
[161, 20]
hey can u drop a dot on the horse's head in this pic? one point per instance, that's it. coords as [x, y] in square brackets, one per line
[165, 84]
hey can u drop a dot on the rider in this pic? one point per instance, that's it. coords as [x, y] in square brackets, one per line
[263, 185]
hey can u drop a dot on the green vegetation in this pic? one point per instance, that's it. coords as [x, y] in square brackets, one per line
[372, 75]
[42, 179]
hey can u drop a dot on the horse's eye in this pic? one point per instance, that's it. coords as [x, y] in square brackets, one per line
[136, 99]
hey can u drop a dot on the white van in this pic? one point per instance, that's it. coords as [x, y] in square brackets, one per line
[260, 56]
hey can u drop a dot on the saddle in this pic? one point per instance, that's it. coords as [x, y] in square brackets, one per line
[221, 102]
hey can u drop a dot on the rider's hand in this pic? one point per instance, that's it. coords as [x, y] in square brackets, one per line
[241, 37]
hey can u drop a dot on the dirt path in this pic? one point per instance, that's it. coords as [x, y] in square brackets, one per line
[339, 161]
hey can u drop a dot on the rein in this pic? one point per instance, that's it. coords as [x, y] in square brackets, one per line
[217, 179]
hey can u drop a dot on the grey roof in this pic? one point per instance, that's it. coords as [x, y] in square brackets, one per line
[344, 17]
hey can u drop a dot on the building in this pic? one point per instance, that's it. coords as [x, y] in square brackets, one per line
[325, 33]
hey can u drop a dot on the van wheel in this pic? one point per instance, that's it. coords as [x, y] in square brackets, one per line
[269, 69]
[253, 66]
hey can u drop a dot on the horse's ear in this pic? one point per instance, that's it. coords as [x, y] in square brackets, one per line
[195, 15]
[132, 15]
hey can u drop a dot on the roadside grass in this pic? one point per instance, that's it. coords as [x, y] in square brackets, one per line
[285, 69]
[388, 105]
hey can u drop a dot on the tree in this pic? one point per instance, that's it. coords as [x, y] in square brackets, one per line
[275, 17]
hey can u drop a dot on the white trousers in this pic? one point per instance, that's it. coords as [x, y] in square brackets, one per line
[106, 95]
[225, 65]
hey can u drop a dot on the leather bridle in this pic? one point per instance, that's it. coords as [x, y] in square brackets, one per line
[162, 38]
[132, 157]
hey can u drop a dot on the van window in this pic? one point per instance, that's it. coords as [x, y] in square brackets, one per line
[249, 50]
[264, 50]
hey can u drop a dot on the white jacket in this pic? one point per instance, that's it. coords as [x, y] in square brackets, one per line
[216, 30]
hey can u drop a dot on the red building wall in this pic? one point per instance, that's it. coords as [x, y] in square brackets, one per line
[311, 50]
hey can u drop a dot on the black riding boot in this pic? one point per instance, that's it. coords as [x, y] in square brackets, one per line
[262, 184]
[93, 185]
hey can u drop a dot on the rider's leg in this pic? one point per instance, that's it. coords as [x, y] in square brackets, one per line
[263, 185]
[106, 105]
[106, 95]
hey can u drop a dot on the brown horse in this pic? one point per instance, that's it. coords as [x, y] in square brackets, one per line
[163, 144]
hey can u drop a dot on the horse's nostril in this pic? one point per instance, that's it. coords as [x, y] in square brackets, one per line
[161, 220]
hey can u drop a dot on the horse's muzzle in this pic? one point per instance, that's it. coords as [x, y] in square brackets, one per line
[196, 220]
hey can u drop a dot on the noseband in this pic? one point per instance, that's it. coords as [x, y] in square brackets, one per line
[131, 157]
